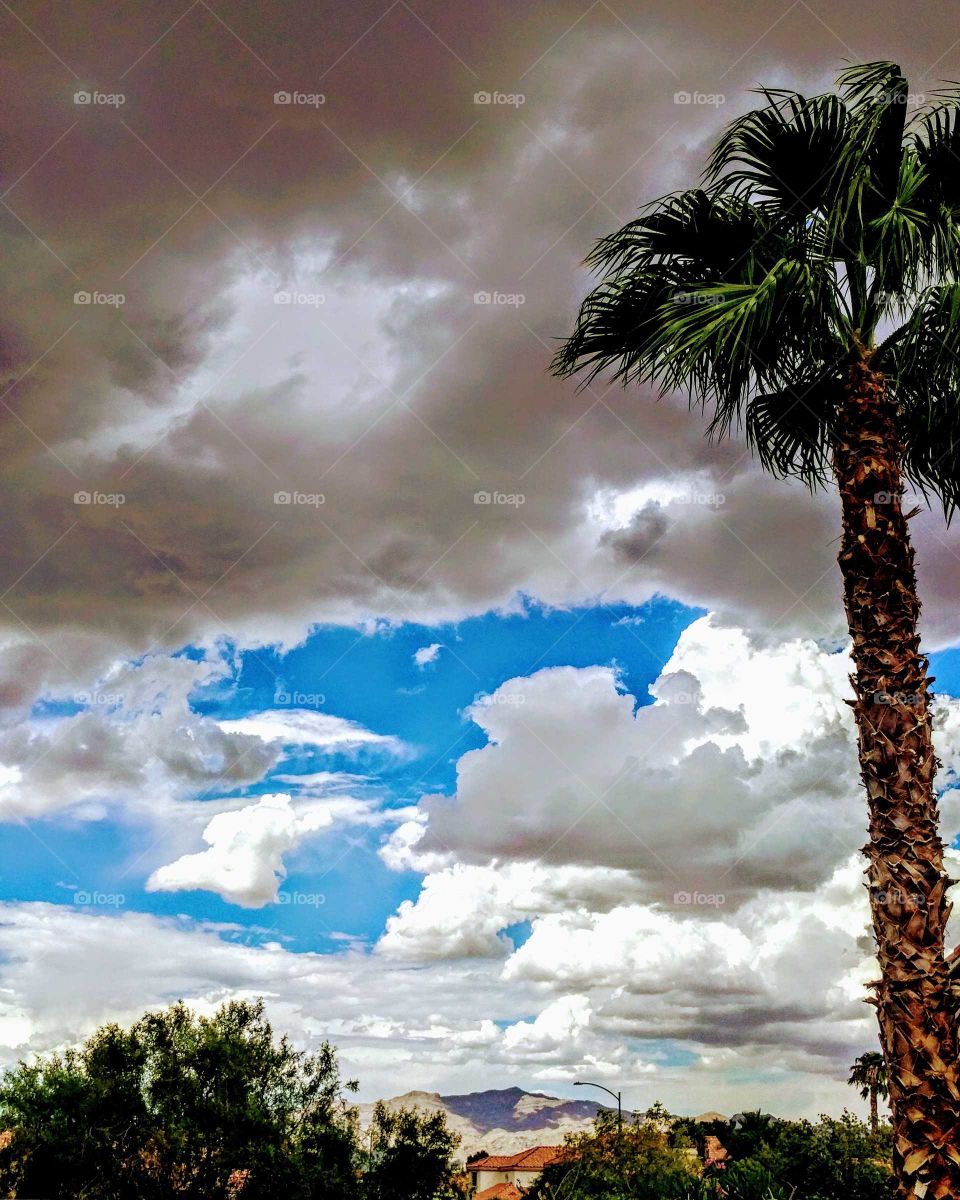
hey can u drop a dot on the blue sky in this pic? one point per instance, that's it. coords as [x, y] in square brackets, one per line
[371, 678]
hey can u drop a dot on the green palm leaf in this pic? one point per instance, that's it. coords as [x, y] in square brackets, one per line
[826, 224]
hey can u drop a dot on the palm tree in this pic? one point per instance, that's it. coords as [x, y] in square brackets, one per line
[809, 293]
[869, 1076]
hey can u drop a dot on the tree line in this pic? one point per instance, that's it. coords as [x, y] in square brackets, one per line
[182, 1106]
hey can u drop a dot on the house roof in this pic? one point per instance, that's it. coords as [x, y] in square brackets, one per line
[534, 1159]
[713, 1148]
[500, 1191]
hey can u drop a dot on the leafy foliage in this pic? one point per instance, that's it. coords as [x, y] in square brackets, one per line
[825, 225]
[832, 1159]
[642, 1163]
[745, 1180]
[214, 1108]
[769, 1159]
[409, 1156]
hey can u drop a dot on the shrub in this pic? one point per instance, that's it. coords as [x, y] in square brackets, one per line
[639, 1164]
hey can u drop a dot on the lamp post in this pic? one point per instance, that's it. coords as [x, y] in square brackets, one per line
[616, 1096]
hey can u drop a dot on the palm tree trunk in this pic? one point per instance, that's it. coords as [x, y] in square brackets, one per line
[874, 1116]
[906, 879]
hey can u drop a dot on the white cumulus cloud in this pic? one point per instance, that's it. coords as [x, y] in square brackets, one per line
[244, 859]
[427, 654]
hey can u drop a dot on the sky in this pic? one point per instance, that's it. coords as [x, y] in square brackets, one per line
[490, 727]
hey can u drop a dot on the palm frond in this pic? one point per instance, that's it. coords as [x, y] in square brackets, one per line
[714, 234]
[821, 220]
[865, 83]
[935, 140]
[742, 331]
[935, 137]
[922, 364]
[785, 154]
[653, 267]
[785, 429]
[868, 165]
[901, 243]
[615, 326]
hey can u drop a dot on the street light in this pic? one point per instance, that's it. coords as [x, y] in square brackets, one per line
[616, 1096]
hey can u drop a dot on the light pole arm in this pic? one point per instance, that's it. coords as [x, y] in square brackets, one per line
[615, 1095]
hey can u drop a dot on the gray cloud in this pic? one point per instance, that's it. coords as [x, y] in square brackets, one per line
[201, 397]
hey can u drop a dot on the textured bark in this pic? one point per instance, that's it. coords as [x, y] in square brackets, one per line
[905, 875]
[874, 1115]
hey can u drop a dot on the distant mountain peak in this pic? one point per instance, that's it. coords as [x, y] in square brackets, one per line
[501, 1120]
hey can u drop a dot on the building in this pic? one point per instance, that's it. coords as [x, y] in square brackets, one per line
[713, 1149]
[501, 1191]
[507, 1176]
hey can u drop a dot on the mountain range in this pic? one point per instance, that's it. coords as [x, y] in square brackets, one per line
[503, 1120]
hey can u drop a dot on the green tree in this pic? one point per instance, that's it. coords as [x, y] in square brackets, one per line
[658, 1115]
[809, 293]
[748, 1130]
[832, 1159]
[180, 1106]
[409, 1156]
[638, 1164]
[869, 1076]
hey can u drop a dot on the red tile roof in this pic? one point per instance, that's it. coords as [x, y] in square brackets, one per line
[534, 1159]
[500, 1191]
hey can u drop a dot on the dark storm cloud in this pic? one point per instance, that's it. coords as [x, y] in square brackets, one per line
[393, 394]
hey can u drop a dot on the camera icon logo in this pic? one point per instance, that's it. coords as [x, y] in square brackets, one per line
[282, 98]
[81, 297]
[481, 497]
[481, 297]
[282, 498]
[81, 497]
[482, 98]
[82, 97]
